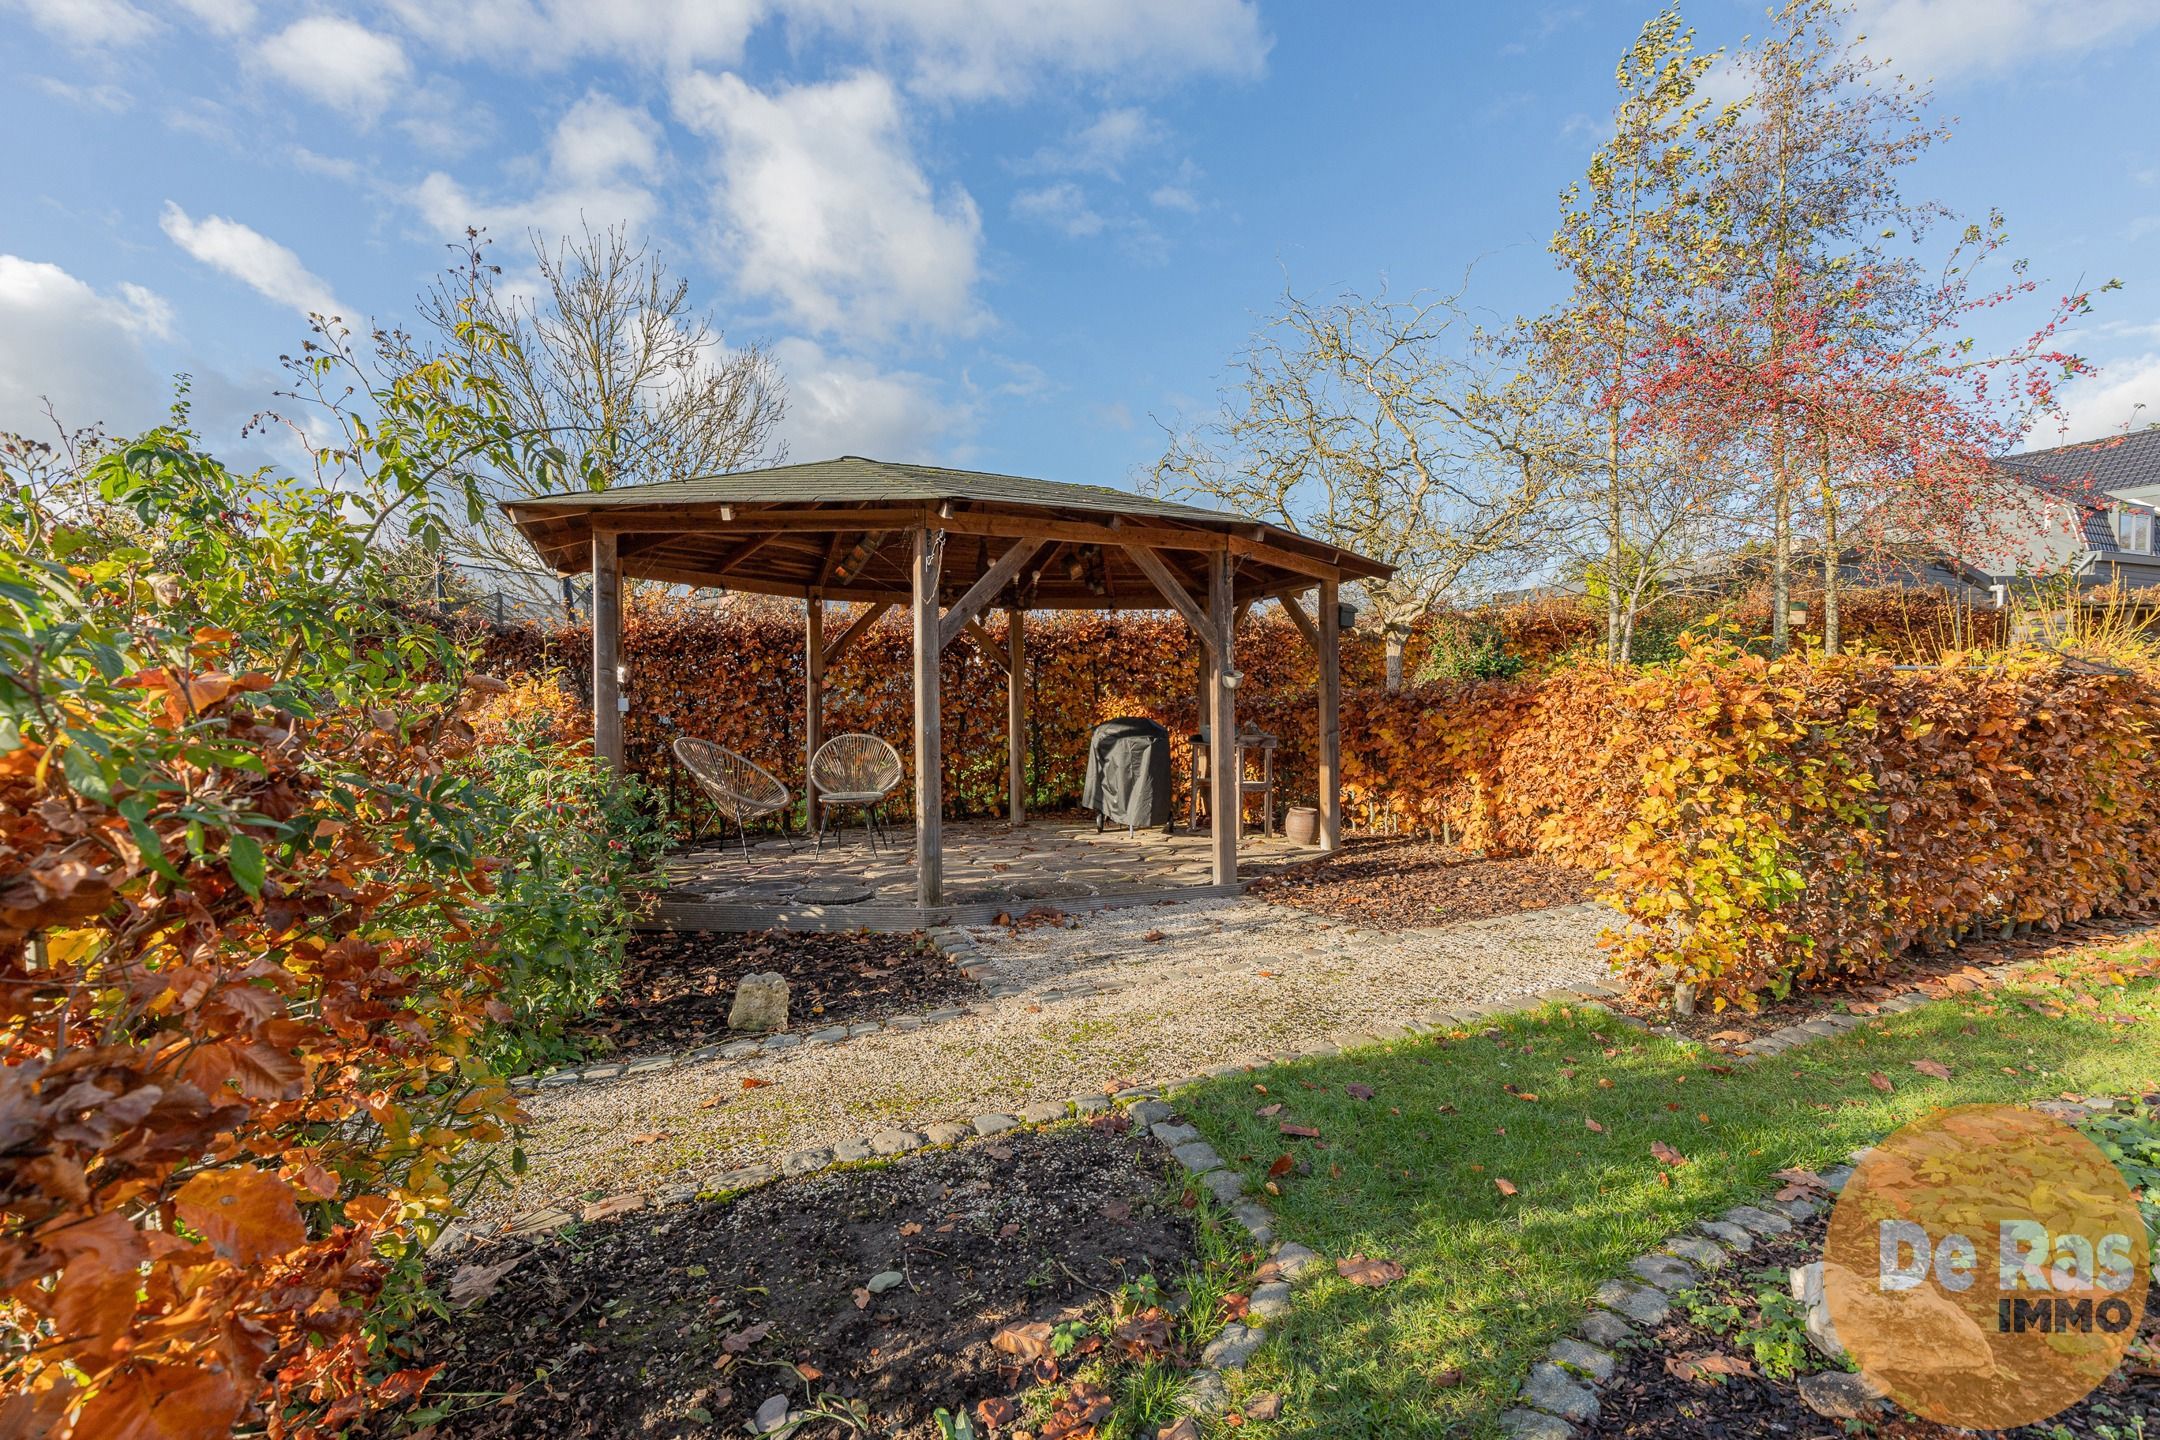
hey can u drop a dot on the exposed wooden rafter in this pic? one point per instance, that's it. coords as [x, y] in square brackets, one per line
[979, 595]
[1165, 580]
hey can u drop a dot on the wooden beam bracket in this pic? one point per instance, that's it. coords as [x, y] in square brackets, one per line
[848, 636]
[1302, 621]
[979, 595]
[1173, 590]
[987, 644]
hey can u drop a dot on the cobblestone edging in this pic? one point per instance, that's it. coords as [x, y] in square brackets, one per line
[1561, 1391]
[1837, 1022]
[899, 1140]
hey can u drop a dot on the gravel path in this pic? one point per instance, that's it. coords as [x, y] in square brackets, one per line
[1124, 997]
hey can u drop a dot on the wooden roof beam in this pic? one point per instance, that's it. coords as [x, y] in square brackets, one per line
[1151, 565]
[979, 595]
[848, 636]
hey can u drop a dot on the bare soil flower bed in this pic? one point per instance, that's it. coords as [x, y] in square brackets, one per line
[881, 1286]
[677, 986]
[1692, 1382]
[1399, 884]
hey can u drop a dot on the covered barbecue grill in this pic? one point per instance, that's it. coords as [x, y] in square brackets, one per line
[1128, 774]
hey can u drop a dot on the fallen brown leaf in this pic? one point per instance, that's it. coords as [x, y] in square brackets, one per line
[1025, 1341]
[1504, 1186]
[1360, 1270]
[1932, 1067]
[1666, 1155]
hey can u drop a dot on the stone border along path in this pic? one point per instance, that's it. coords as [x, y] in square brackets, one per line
[1561, 1391]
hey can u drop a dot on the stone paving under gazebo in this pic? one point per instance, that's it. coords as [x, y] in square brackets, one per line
[991, 867]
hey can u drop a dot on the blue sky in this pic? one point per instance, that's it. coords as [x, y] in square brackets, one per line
[1011, 234]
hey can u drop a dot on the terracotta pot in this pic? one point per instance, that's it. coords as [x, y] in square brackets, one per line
[1301, 825]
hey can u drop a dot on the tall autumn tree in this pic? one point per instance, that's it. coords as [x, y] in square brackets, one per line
[1638, 236]
[1806, 180]
[1387, 426]
[1835, 357]
[604, 351]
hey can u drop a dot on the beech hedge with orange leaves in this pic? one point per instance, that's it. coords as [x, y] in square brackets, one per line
[1765, 824]
[1762, 823]
[251, 948]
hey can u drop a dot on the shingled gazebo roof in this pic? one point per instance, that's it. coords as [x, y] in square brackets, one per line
[840, 527]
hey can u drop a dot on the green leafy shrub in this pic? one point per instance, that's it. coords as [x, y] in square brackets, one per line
[577, 847]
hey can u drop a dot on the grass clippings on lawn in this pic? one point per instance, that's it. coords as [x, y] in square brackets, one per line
[1513, 1169]
[882, 1285]
[1385, 884]
[677, 986]
[1704, 1377]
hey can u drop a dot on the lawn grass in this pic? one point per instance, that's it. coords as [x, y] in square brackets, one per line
[1491, 1280]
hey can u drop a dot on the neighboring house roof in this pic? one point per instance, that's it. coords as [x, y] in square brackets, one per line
[2094, 476]
[2120, 462]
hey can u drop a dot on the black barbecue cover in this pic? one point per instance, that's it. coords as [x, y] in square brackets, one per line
[1128, 773]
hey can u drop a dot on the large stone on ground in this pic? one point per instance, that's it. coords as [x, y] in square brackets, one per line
[1640, 1303]
[1535, 1425]
[1556, 1392]
[761, 1002]
[1837, 1395]
[1232, 1347]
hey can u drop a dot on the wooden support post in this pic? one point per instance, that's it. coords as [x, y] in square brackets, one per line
[1225, 813]
[929, 780]
[1330, 648]
[813, 697]
[1016, 716]
[606, 645]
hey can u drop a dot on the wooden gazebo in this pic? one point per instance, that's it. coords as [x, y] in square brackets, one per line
[949, 545]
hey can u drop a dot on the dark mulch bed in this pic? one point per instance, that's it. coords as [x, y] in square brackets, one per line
[684, 1321]
[1939, 972]
[1646, 1401]
[677, 985]
[1397, 884]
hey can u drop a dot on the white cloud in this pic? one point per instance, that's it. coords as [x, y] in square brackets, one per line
[226, 17]
[554, 32]
[1174, 197]
[101, 96]
[254, 259]
[978, 49]
[960, 49]
[600, 157]
[2125, 393]
[346, 66]
[599, 138]
[1938, 39]
[1102, 146]
[842, 406]
[80, 349]
[826, 210]
[89, 22]
[1062, 207]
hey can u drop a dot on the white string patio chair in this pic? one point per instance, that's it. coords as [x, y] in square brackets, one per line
[859, 770]
[740, 789]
